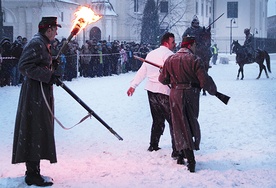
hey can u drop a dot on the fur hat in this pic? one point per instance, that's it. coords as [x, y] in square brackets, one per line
[47, 22]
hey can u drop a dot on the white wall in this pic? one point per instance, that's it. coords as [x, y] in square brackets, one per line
[251, 14]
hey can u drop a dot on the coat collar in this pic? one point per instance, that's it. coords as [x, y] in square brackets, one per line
[185, 50]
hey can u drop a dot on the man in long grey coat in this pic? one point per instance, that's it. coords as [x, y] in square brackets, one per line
[34, 126]
[187, 75]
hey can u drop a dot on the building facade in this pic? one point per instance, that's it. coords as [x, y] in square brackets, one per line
[238, 15]
[122, 18]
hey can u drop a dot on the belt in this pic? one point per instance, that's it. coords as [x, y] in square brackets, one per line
[185, 85]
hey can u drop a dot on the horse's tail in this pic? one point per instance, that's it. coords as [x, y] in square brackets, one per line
[267, 59]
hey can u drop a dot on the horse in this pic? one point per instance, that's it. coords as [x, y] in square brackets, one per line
[242, 59]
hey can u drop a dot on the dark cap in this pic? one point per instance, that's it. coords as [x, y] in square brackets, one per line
[47, 22]
[188, 40]
[246, 31]
[195, 22]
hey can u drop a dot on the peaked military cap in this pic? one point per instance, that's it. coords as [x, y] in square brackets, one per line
[47, 22]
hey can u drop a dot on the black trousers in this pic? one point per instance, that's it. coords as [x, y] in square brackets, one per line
[160, 111]
[32, 167]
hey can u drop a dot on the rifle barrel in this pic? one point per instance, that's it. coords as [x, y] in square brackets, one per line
[215, 20]
[90, 111]
[144, 60]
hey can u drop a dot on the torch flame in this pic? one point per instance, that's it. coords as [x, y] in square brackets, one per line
[84, 16]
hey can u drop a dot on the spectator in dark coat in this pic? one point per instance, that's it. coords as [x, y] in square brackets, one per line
[70, 71]
[95, 59]
[187, 75]
[115, 57]
[34, 125]
[106, 52]
[16, 51]
[7, 63]
[85, 60]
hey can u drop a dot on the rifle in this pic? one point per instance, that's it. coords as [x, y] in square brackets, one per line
[214, 21]
[61, 84]
[144, 60]
[223, 98]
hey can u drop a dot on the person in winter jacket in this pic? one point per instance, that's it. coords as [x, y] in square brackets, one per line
[248, 44]
[215, 54]
[158, 94]
[186, 74]
[34, 125]
[203, 38]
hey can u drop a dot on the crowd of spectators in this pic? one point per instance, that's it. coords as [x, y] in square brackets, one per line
[92, 59]
[10, 53]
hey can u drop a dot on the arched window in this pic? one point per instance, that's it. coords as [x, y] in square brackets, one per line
[95, 33]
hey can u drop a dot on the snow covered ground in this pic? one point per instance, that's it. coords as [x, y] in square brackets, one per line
[238, 147]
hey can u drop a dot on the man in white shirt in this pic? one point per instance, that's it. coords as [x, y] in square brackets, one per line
[158, 94]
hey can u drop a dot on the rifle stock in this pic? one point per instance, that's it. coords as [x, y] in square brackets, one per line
[222, 97]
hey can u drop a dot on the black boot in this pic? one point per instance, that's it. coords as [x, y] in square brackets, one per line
[33, 176]
[174, 155]
[180, 159]
[191, 159]
[153, 148]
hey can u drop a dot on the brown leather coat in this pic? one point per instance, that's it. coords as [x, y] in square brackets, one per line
[187, 75]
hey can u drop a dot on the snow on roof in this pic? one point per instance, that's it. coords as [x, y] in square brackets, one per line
[68, 1]
[103, 8]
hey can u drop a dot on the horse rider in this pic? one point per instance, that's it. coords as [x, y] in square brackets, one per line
[248, 44]
[203, 38]
[203, 42]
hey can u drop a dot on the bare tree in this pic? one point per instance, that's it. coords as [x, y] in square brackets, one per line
[170, 20]
[150, 23]
[174, 18]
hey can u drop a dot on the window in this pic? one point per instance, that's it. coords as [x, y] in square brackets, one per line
[164, 7]
[3, 16]
[136, 7]
[206, 10]
[196, 7]
[232, 9]
[202, 9]
[62, 17]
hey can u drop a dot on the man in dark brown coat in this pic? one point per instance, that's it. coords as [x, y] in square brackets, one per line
[34, 125]
[187, 76]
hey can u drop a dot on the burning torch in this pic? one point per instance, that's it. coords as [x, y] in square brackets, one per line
[84, 16]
